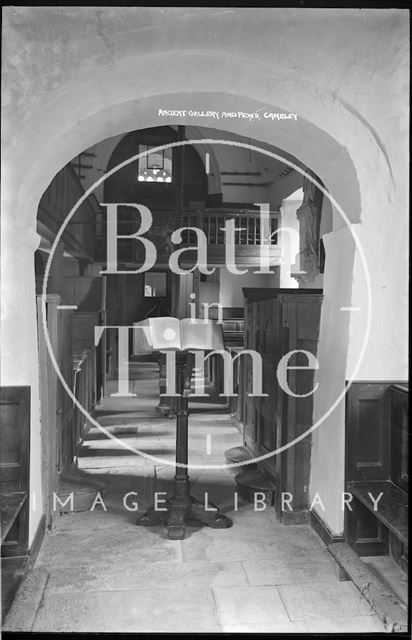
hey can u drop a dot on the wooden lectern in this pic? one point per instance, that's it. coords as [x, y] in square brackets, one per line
[181, 336]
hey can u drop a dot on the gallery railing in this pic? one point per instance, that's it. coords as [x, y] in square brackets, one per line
[212, 223]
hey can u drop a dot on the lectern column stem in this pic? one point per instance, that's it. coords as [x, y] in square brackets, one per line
[181, 475]
[181, 506]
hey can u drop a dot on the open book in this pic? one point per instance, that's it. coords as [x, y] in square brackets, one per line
[163, 334]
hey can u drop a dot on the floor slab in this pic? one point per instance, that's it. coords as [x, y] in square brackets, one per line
[101, 550]
[155, 610]
[255, 544]
[148, 576]
[290, 571]
[323, 600]
[249, 605]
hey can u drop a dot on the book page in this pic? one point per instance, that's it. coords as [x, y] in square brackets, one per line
[142, 338]
[156, 334]
[165, 333]
[202, 335]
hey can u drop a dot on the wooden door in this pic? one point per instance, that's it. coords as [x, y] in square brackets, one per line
[56, 408]
[277, 322]
[260, 413]
[270, 348]
[48, 403]
[300, 332]
[64, 409]
[250, 426]
[102, 353]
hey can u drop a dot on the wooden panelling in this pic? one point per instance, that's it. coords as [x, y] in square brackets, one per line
[85, 292]
[83, 330]
[57, 201]
[368, 443]
[364, 532]
[400, 436]
[15, 465]
[14, 439]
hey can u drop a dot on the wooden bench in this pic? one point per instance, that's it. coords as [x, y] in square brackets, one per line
[10, 507]
[392, 508]
[377, 463]
[14, 469]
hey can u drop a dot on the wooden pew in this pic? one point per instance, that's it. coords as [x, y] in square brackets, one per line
[377, 465]
[14, 469]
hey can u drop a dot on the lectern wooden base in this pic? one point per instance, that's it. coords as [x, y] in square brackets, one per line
[182, 507]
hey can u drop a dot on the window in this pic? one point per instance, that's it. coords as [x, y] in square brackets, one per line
[155, 166]
[154, 285]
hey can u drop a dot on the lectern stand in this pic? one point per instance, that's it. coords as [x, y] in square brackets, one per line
[182, 507]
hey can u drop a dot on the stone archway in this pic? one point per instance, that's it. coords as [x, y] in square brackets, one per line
[70, 113]
[47, 167]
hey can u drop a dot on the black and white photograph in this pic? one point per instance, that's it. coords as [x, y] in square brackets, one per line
[204, 390]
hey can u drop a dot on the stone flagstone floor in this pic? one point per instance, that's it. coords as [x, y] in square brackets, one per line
[98, 572]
